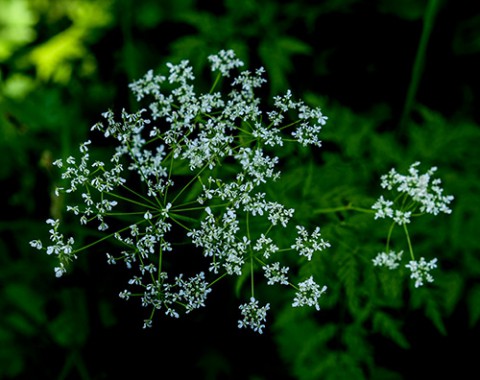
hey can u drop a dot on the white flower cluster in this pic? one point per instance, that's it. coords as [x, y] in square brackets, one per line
[61, 248]
[424, 192]
[308, 294]
[274, 273]
[391, 260]
[417, 194]
[160, 294]
[194, 162]
[420, 270]
[254, 316]
[307, 245]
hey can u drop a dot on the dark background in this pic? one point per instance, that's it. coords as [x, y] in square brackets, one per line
[399, 82]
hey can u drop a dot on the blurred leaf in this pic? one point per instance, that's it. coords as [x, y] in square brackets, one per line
[214, 365]
[25, 299]
[17, 86]
[276, 54]
[149, 14]
[17, 21]
[55, 58]
[467, 37]
[12, 361]
[107, 315]
[473, 303]
[407, 9]
[19, 323]
[379, 373]
[390, 328]
[70, 328]
[452, 285]
[348, 274]
[430, 301]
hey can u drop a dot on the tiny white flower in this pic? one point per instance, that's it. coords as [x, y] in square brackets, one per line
[36, 244]
[59, 271]
[58, 163]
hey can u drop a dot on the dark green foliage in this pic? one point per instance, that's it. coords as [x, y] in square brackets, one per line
[373, 324]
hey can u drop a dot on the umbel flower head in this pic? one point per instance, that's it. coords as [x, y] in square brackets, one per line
[415, 194]
[417, 191]
[190, 167]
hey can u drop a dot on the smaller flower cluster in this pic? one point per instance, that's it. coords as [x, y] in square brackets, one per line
[254, 316]
[308, 294]
[191, 293]
[415, 191]
[60, 247]
[424, 191]
[420, 270]
[391, 260]
[307, 245]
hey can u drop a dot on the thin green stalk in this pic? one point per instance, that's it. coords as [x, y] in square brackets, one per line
[252, 285]
[189, 183]
[160, 258]
[216, 280]
[343, 208]
[390, 230]
[106, 237]
[410, 248]
[217, 79]
[130, 200]
[428, 21]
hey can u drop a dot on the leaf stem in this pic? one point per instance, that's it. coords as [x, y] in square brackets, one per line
[410, 248]
[343, 208]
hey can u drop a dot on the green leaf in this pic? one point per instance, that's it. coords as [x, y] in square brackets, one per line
[292, 45]
[473, 304]
[18, 26]
[390, 328]
[241, 279]
[70, 327]
[434, 313]
[27, 300]
[452, 284]
[348, 273]
[431, 302]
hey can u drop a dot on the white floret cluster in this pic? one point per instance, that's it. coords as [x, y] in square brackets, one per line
[391, 260]
[417, 191]
[414, 194]
[194, 162]
[420, 270]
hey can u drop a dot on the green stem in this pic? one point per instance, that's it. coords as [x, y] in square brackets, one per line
[160, 258]
[106, 237]
[148, 206]
[252, 285]
[216, 280]
[390, 230]
[408, 241]
[343, 208]
[217, 79]
[428, 21]
[194, 178]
